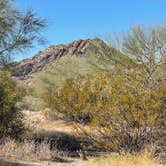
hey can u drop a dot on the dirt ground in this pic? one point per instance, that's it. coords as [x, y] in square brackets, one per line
[36, 120]
[71, 162]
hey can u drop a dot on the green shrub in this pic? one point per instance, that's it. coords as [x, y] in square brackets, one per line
[78, 97]
[10, 117]
[120, 111]
[47, 83]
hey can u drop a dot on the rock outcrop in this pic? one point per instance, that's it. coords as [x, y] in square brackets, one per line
[24, 70]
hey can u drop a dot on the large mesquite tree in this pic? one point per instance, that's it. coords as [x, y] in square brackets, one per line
[119, 112]
[125, 108]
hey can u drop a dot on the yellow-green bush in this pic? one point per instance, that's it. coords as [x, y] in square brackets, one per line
[121, 111]
[79, 97]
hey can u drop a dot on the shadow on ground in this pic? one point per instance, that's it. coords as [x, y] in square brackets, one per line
[57, 140]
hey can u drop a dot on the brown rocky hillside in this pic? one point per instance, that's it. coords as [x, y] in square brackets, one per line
[25, 69]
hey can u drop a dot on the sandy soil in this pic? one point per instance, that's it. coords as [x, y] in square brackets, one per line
[36, 120]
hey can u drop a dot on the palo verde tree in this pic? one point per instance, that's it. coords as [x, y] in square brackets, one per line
[18, 31]
[148, 49]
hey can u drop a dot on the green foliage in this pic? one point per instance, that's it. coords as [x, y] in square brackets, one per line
[18, 31]
[10, 117]
[146, 48]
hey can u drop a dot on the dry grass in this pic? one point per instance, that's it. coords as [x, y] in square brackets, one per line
[143, 159]
[11, 150]
[139, 159]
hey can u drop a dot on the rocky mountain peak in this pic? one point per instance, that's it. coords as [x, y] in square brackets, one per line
[27, 67]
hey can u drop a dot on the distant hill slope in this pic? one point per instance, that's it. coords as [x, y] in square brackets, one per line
[29, 66]
[27, 69]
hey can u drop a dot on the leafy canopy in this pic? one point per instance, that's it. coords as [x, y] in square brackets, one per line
[18, 31]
